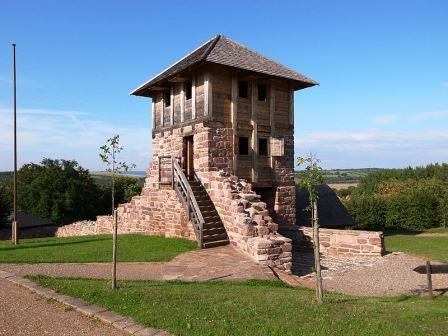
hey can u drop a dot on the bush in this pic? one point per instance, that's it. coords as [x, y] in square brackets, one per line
[411, 204]
[368, 212]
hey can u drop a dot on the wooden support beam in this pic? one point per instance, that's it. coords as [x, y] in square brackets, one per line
[234, 114]
[291, 107]
[207, 94]
[162, 110]
[272, 118]
[193, 97]
[182, 102]
[254, 123]
[153, 114]
[172, 105]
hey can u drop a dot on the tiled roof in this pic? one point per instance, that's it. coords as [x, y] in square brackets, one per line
[222, 50]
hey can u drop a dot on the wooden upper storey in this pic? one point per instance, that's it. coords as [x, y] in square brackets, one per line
[208, 95]
[218, 78]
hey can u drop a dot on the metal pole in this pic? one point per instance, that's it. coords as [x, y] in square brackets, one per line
[428, 276]
[14, 237]
[114, 250]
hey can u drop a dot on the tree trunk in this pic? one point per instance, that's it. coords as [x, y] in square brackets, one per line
[113, 179]
[315, 222]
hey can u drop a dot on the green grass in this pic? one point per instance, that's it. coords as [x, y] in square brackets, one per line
[257, 308]
[93, 249]
[432, 248]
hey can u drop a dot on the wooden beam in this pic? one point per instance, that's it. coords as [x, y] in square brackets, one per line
[193, 97]
[153, 114]
[182, 102]
[162, 111]
[254, 122]
[206, 93]
[291, 106]
[234, 114]
[272, 118]
[172, 105]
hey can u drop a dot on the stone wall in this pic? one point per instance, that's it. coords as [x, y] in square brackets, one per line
[334, 242]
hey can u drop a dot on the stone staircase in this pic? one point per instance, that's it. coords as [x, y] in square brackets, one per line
[213, 231]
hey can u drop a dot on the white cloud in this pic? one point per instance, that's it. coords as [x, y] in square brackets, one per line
[375, 148]
[70, 135]
[390, 118]
[445, 86]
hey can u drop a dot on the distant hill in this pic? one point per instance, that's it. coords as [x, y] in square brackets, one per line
[345, 175]
[102, 177]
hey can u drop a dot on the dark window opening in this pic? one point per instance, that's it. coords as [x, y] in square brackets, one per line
[188, 90]
[263, 147]
[243, 89]
[243, 145]
[262, 92]
[167, 97]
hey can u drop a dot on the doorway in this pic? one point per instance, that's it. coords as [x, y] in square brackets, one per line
[189, 157]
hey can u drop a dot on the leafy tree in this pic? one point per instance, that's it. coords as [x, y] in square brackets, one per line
[309, 179]
[126, 187]
[108, 155]
[58, 190]
[5, 200]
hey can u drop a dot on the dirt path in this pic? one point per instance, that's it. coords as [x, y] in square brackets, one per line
[25, 313]
[208, 264]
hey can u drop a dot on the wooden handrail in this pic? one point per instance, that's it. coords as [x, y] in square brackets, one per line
[183, 189]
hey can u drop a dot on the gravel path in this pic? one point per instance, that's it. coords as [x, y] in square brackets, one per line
[223, 262]
[25, 313]
[390, 275]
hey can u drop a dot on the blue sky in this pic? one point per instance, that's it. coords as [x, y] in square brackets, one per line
[382, 66]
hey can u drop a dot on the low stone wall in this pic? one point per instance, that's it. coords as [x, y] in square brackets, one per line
[334, 242]
[103, 225]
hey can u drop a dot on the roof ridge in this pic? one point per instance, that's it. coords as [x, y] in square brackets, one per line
[270, 59]
[210, 47]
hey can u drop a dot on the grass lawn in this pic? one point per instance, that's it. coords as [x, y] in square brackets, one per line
[432, 248]
[257, 308]
[93, 249]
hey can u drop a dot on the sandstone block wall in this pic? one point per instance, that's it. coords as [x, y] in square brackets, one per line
[335, 242]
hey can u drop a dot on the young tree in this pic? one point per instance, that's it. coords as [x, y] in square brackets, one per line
[108, 155]
[309, 179]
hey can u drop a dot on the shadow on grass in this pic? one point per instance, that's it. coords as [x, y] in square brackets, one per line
[27, 247]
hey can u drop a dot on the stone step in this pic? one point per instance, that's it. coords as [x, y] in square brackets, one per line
[213, 231]
[214, 237]
[209, 213]
[211, 225]
[216, 243]
[207, 207]
[211, 219]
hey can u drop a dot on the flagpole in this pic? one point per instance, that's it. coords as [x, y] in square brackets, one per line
[14, 223]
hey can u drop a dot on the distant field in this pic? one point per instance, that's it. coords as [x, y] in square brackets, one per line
[105, 177]
[345, 176]
[341, 186]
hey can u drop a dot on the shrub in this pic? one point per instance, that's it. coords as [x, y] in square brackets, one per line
[367, 211]
[411, 204]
